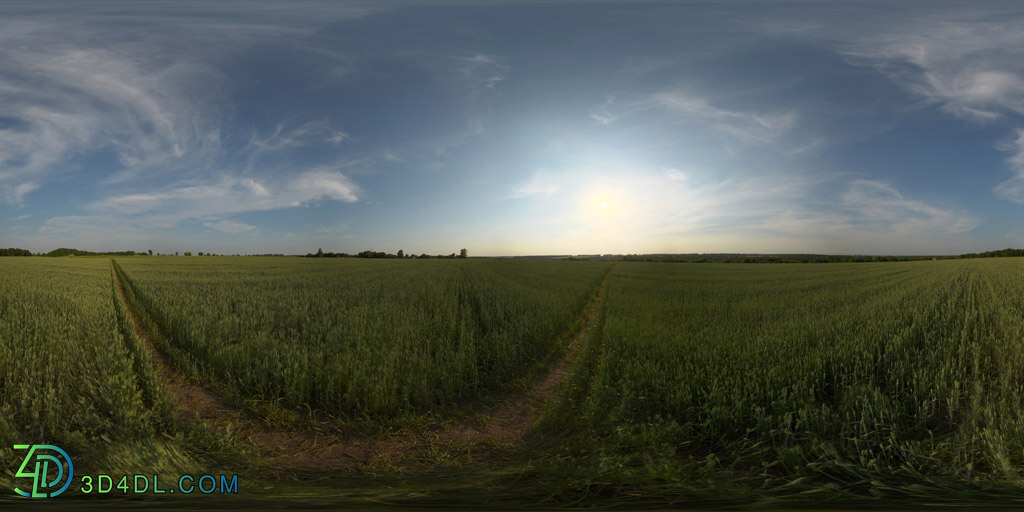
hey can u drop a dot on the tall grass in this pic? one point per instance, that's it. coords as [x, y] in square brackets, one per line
[359, 337]
[884, 379]
[71, 373]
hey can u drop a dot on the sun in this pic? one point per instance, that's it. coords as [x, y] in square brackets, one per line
[602, 205]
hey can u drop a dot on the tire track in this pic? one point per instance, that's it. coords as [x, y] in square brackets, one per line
[506, 423]
[193, 401]
[512, 419]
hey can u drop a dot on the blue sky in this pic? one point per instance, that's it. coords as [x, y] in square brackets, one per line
[512, 128]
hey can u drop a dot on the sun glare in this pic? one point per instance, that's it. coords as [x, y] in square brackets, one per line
[603, 205]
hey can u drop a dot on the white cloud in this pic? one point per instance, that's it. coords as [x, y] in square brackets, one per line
[540, 185]
[16, 194]
[881, 206]
[89, 232]
[675, 175]
[970, 67]
[258, 190]
[966, 62]
[479, 75]
[70, 101]
[603, 115]
[744, 125]
[229, 226]
[323, 183]
[485, 71]
[1013, 188]
[760, 127]
[148, 91]
[306, 134]
[169, 206]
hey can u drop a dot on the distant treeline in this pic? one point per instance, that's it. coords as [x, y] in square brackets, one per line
[756, 258]
[787, 258]
[681, 258]
[380, 254]
[63, 251]
[993, 254]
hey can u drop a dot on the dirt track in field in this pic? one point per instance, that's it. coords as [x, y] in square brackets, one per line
[510, 420]
[321, 449]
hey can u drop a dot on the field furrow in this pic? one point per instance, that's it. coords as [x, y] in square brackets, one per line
[335, 446]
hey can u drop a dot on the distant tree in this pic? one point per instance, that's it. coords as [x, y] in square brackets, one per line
[375, 254]
[462, 253]
[320, 253]
[200, 253]
[188, 253]
[401, 253]
[175, 253]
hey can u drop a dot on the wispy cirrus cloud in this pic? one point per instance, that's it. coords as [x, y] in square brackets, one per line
[229, 226]
[144, 85]
[1012, 189]
[967, 65]
[16, 194]
[691, 108]
[752, 126]
[306, 134]
[879, 206]
[540, 185]
[485, 71]
[675, 175]
[603, 114]
[963, 60]
[62, 101]
[229, 195]
[480, 74]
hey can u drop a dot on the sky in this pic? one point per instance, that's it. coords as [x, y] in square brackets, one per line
[512, 128]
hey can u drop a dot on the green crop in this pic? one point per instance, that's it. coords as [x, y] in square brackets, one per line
[884, 379]
[354, 337]
[72, 373]
[903, 380]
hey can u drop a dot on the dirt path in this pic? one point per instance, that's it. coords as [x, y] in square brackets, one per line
[510, 420]
[193, 402]
[506, 423]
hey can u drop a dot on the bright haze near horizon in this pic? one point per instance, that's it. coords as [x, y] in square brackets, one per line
[512, 128]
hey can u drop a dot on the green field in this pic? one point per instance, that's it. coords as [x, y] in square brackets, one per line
[894, 379]
[72, 374]
[693, 383]
[360, 337]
